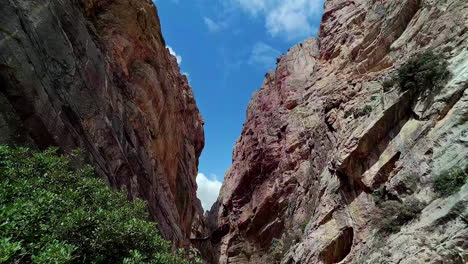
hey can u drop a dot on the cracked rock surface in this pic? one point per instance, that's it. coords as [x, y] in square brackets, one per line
[305, 171]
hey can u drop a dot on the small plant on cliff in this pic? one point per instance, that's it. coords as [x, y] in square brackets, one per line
[388, 84]
[348, 113]
[364, 111]
[395, 214]
[356, 113]
[304, 226]
[52, 212]
[450, 182]
[425, 71]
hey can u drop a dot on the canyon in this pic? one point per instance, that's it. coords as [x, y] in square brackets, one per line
[325, 147]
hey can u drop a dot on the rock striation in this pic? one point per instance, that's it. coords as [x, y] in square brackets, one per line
[306, 171]
[96, 74]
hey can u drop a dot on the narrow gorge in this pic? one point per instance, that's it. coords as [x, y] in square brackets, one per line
[344, 149]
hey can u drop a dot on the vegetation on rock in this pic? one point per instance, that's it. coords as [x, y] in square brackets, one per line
[53, 212]
[396, 214]
[388, 84]
[450, 182]
[366, 110]
[423, 72]
[304, 226]
[359, 112]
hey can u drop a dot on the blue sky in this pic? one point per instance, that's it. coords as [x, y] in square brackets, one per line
[226, 47]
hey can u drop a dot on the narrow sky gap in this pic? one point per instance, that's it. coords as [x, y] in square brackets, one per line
[225, 47]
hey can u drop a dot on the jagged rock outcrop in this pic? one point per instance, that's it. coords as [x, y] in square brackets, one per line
[305, 169]
[96, 74]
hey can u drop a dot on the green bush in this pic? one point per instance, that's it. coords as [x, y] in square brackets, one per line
[348, 114]
[388, 84]
[304, 226]
[51, 212]
[396, 214]
[450, 182]
[364, 111]
[425, 71]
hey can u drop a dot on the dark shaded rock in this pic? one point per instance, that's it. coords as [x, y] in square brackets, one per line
[97, 75]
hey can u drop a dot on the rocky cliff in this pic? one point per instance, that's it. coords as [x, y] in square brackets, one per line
[96, 74]
[326, 148]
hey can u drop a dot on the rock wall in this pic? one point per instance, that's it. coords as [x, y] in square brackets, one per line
[96, 74]
[305, 171]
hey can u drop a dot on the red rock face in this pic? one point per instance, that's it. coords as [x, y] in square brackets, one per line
[97, 75]
[304, 169]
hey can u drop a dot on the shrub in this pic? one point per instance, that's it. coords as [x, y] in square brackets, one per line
[304, 226]
[450, 182]
[396, 214]
[388, 84]
[348, 114]
[51, 212]
[364, 111]
[425, 71]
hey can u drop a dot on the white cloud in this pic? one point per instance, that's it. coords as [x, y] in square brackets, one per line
[212, 26]
[291, 18]
[208, 190]
[264, 55]
[253, 6]
[179, 58]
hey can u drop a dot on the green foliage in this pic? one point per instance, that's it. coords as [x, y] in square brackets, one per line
[51, 212]
[304, 226]
[423, 72]
[54, 252]
[364, 111]
[388, 84]
[396, 214]
[359, 112]
[427, 70]
[8, 249]
[450, 182]
[348, 114]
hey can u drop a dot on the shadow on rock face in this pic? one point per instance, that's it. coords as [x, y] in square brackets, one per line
[339, 248]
